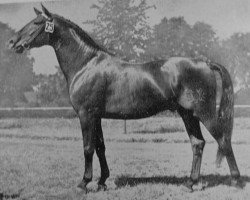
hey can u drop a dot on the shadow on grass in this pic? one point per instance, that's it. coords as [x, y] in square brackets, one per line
[211, 180]
[9, 196]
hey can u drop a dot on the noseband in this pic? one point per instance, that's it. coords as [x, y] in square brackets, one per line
[48, 27]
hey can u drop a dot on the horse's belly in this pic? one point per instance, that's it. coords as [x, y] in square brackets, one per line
[134, 106]
[132, 112]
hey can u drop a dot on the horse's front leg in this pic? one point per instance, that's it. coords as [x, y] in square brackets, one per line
[100, 151]
[197, 141]
[89, 127]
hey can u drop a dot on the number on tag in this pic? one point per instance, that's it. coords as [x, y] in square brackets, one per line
[49, 27]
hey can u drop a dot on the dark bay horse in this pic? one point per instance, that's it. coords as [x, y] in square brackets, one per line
[103, 86]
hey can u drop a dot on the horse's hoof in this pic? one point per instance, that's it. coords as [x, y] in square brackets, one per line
[184, 188]
[81, 187]
[238, 183]
[102, 187]
[188, 186]
[201, 185]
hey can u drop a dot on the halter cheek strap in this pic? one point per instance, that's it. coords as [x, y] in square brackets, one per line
[49, 27]
[34, 35]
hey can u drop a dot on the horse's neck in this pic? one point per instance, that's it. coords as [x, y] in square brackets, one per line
[72, 53]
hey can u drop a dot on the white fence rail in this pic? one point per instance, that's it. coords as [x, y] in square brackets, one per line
[241, 106]
[68, 112]
[70, 108]
[36, 108]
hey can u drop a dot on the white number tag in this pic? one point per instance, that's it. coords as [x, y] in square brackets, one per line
[49, 27]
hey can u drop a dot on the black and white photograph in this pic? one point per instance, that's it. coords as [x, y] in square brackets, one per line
[124, 99]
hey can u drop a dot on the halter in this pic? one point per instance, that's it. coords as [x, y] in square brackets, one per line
[34, 35]
[48, 28]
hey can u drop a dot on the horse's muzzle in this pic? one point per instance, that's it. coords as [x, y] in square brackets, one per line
[15, 44]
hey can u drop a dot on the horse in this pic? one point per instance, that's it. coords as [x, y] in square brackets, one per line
[101, 85]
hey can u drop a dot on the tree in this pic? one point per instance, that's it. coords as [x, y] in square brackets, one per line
[175, 37]
[16, 71]
[171, 37]
[122, 26]
[234, 53]
[203, 39]
[238, 45]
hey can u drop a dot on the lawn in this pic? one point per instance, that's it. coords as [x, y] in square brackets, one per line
[43, 159]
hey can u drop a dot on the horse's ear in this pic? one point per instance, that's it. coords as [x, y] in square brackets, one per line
[45, 11]
[38, 12]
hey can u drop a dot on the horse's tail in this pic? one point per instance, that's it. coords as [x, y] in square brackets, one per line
[225, 113]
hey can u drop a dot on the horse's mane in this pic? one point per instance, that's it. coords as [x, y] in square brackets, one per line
[83, 35]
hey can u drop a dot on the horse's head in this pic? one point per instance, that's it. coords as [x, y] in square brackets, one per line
[34, 34]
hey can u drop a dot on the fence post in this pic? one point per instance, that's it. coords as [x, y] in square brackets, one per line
[125, 126]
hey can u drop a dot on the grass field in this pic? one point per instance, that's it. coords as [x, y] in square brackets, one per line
[43, 159]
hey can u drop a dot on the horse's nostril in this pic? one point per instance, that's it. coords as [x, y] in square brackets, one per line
[10, 44]
[13, 40]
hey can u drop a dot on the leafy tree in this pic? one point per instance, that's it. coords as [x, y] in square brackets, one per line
[122, 26]
[234, 53]
[203, 39]
[175, 37]
[16, 71]
[238, 45]
[171, 37]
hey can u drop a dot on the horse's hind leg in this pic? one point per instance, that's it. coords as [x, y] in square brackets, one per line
[197, 141]
[100, 151]
[221, 130]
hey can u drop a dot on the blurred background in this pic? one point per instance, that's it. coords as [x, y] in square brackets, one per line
[137, 31]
